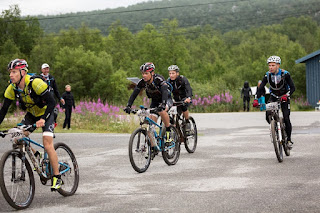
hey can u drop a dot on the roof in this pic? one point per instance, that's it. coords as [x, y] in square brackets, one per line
[134, 80]
[305, 58]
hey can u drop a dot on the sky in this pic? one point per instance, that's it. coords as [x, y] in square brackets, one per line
[54, 7]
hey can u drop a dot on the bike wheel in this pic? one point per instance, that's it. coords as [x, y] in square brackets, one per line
[16, 189]
[68, 168]
[171, 151]
[275, 140]
[140, 150]
[192, 137]
[284, 136]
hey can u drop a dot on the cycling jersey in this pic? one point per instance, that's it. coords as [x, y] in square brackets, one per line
[157, 90]
[280, 83]
[39, 89]
[181, 88]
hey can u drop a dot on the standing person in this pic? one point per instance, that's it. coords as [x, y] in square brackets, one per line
[281, 85]
[262, 99]
[34, 97]
[49, 79]
[181, 91]
[67, 108]
[157, 89]
[245, 94]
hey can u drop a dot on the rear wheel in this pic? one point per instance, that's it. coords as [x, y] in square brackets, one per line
[171, 150]
[140, 150]
[68, 168]
[17, 189]
[191, 137]
[275, 140]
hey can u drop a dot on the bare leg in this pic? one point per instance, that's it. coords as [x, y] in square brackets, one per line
[48, 145]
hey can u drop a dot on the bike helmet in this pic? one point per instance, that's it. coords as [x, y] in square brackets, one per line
[147, 67]
[18, 64]
[275, 59]
[173, 67]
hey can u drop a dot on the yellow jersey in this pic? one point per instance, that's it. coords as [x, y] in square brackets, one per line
[38, 86]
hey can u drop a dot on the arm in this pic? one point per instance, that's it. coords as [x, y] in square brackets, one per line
[261, 87]
[188, 88]
[164, 92]
[55, 90]
[49, 99]
[290, 83]
[74, 106]
[6, 104]
[133, 96]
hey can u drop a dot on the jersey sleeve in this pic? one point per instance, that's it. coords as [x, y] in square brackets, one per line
[9, 93]
[39, 86]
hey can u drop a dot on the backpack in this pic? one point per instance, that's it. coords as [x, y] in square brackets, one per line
[37, 99]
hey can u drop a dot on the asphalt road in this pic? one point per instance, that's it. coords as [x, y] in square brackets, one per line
[234, 169]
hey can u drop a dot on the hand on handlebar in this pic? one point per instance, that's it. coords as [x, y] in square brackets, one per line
[284, 98]
[127, 109]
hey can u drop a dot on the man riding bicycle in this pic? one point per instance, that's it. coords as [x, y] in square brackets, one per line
[181, 91]
[34, 97]
[157, 89]
[281, 85]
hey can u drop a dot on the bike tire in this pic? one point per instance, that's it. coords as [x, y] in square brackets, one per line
[189, 145]
[275, 140]
[19, 196]
[284, 135]
[171, 155]
[140, 150]
[71, 177]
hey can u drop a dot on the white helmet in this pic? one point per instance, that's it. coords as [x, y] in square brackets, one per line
[173, 67]
[275, 59]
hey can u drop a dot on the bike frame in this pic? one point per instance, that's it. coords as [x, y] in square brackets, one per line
[157, 136]
[25, 141]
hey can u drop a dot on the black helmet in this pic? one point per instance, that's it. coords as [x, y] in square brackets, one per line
[147, 67]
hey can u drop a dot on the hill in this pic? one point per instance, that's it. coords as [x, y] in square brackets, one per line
[224, 15]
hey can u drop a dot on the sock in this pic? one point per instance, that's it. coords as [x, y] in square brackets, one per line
[167, 129]
[57, 176]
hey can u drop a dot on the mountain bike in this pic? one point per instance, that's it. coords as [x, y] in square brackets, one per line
[16, 174]
[189, 137]
[150, 139]
[277, 130]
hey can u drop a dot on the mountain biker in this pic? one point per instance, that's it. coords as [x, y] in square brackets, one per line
[181, 91]
[281, 85]
[34, 97]
[157, 89]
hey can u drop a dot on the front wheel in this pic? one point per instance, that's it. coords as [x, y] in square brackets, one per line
[68, 168]
[16, 180]
[191, 137]
[171, 146]
[275, 140]
[140, 150]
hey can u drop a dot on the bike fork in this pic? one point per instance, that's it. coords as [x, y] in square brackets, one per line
[279, 131]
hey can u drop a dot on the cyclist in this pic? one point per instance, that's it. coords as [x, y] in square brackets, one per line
[281, 85]
[34, 96]
[181, 91]
[157, 89]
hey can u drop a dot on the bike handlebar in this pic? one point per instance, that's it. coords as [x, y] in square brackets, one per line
[21, 127]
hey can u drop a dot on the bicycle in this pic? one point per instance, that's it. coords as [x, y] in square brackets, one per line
[190, 137]
[145, 142]
[277, 130]
[16, 174]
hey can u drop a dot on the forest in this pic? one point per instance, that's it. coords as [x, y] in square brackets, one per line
[217, 44]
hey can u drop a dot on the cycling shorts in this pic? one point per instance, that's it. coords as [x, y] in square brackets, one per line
[48, 128]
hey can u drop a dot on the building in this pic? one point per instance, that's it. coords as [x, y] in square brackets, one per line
[312, 76]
